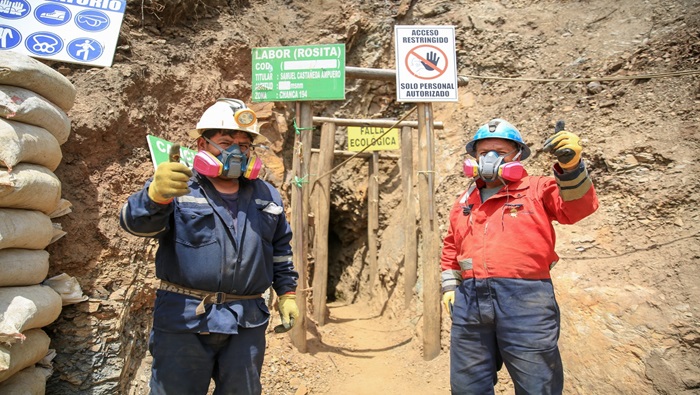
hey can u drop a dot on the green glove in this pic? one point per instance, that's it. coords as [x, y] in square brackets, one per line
[448, 301]
[566, 146]
[289, 311]
[170, 181]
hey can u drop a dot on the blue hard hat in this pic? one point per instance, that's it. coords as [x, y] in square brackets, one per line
[498, 129]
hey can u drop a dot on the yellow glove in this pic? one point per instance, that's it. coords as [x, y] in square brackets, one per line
[448, 300]
[289, 311]
[566, 146]
[170, 181]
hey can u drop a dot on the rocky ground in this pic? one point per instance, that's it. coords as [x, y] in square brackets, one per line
[627, 282]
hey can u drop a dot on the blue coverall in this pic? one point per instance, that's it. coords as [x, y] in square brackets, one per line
[201, 249]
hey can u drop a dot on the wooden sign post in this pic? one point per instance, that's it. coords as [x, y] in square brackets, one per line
[429, 234]
[302, 156]
[410, 260]
[321, 195]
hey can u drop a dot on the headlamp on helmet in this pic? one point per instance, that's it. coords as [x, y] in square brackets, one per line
[228, 114]
[245, 117]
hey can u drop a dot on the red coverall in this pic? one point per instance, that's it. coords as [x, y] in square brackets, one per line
[497, 256]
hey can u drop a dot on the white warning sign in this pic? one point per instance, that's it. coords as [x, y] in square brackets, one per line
[426, 64]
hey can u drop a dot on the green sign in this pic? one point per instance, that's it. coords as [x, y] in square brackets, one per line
[161, 148]
[311, 72]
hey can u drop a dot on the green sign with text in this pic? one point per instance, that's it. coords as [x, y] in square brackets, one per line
[310, 72]
[160, 150]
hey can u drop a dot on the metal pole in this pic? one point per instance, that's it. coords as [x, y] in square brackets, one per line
[383, 123]
[384, 74]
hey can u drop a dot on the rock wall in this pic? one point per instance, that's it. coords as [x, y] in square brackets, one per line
[627, 280]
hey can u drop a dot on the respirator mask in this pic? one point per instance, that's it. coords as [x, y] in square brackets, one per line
[491, 168]
[230, 163]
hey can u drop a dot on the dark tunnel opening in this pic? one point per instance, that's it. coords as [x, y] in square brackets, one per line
[335, 270]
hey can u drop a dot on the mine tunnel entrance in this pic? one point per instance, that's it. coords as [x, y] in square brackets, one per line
[347, 239]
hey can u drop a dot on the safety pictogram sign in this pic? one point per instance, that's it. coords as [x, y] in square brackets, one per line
[73, 31]
[426, 64]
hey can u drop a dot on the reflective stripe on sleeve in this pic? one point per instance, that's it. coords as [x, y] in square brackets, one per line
[574, 189]
[284, 258]
[192, 199]
[451, 279]
[126, 224]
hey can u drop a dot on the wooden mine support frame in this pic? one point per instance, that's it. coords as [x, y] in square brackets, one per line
[321, 194]
[301, 193]
[429, 233]
[300, 220]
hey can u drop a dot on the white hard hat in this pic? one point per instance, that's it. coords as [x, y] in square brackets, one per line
[228, 114]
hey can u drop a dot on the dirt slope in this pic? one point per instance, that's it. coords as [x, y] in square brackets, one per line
[627, 282]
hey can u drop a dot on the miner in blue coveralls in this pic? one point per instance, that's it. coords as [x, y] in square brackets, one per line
[223, 241]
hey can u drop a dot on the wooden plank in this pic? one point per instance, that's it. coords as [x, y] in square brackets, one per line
[300, 223]
[362, 155]
[321, 195]
[373, 219]
[382, 123]
[429, 234]
[410, 260]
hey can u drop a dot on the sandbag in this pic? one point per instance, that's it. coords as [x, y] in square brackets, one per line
[18, 356]
[28, 381]
[63, 207]
[30, 187]
[28, 107]
[20, 267]
[20, 70]
[57, 232]
[20, 142]
[27, 229]
[23, 308]
[67, 287]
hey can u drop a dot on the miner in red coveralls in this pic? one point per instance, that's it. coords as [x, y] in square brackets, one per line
[497, 256]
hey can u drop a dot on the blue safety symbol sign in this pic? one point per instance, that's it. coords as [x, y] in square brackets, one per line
[14, 9]
[74, 31]
[9, 37]
[43, 43]
[92, 21]
[84, 49]
[52, 14]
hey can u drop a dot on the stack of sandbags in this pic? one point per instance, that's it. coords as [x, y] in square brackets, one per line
[34, 99]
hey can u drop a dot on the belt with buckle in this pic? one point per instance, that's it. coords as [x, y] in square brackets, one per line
[205, 296]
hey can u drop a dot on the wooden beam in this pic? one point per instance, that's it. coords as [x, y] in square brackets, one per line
[300, 221]
[381, 123]
[362, 155]
[373, 219]
[429, 233]
[410, 260]
[321, 195]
